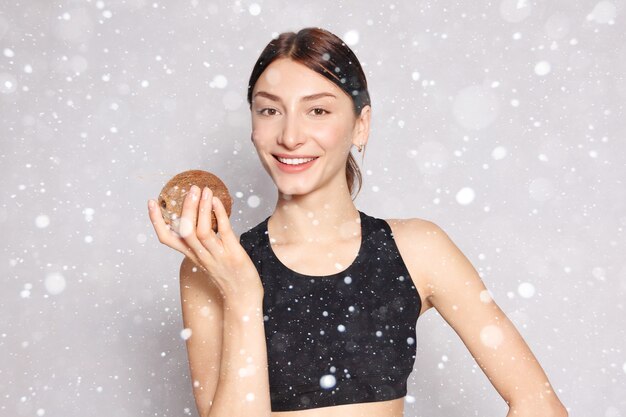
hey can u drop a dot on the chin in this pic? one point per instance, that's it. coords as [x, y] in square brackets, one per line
[293, 191]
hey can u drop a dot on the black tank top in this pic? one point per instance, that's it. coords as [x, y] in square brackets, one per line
[343, 338]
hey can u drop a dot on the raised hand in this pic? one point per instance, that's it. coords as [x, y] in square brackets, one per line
[219, 255]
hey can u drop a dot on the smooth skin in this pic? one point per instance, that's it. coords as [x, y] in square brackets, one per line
[313, 231]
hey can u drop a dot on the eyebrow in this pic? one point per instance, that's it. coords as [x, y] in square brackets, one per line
[305, 98]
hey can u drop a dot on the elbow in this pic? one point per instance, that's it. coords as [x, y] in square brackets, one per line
[556, 409]
[543, 410]
[559, 411]
[204, 410]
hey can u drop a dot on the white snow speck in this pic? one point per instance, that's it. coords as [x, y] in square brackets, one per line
[410, 340]
[250, 396]
[88, 213]
[42, 221]
[328, 381]
[41, 412]
[219, 81]
[8, 83]
[542, 68]
[526, 289]
[341, 328]
[351, 37]
[141, 238]
[9, 53]
[465, 196]
[409, 399]
[599, 273]
[254, 9]
[54, 283]
[485, 296]
[491, 336]
[185, 333]
[254, 201]
[347, 280]
[499, 152]
[415, 75]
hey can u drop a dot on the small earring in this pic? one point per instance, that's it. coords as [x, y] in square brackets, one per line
[360, 147]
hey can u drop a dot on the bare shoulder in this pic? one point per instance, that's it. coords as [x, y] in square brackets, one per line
[432, 258]
[415, 238]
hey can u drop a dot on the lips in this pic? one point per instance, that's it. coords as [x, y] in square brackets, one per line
[282, 155]
[292, 168]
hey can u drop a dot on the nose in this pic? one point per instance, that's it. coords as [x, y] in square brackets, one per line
[292, 135]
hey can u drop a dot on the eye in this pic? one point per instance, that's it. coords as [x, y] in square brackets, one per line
[269, 109]
[319, 111]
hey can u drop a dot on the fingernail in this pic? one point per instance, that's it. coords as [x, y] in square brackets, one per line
[205, 193]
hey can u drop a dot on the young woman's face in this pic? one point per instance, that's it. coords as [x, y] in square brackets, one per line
[298, 113]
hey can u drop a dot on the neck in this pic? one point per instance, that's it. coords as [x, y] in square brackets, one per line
[321, 216]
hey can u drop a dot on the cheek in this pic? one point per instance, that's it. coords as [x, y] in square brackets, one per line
[261, 133]
[331, 136]
[264, 126]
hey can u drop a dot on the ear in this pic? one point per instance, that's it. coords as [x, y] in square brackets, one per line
[362, 126]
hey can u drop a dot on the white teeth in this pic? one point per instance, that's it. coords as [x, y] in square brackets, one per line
[294, 161]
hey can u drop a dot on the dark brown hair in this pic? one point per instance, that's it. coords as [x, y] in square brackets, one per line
[328, 55]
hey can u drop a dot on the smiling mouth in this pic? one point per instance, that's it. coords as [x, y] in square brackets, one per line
[294, 161]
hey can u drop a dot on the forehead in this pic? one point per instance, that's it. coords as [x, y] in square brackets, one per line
[286, 76]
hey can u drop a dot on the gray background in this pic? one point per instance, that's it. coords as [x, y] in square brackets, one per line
[502, 122]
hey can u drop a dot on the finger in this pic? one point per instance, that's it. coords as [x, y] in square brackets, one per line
[205, 226]
[165, 234]
[188, 215]
[223, 222]
[188, 220]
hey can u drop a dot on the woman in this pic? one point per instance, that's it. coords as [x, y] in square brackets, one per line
[312, 312]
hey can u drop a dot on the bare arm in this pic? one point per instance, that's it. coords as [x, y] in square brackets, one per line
[459, 295]
[202, 315]
[227, 351]
[240, 386]
[243, 388]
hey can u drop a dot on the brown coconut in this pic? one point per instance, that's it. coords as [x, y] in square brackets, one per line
[173, 195]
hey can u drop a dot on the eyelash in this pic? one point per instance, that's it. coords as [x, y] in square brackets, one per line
[269, 108]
